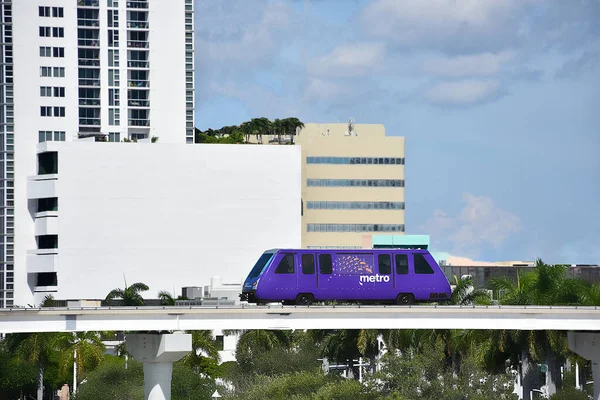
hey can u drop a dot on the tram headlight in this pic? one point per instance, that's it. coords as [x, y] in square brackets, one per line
[255, 284]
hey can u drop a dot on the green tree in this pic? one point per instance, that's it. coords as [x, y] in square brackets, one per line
[346, 345]
[166, 299]
[17, 377]
[291, 125]
[130, 295]
[204, 357]
[83, 348]
[545, 285]
[35, 349]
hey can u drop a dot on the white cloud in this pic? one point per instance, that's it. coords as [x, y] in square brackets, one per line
[481, 64]
[348, 60]
[480, 223]
[242, 35]
[462, 92]
[434, 22]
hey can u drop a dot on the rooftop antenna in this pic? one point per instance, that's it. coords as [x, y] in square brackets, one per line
[351, 129]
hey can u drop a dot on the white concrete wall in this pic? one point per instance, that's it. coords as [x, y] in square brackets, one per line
[169, 215]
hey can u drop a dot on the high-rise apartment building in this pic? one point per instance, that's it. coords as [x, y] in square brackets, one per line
[352, 184]
[110, 69]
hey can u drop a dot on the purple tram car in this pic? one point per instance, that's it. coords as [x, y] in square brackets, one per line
[302, 276]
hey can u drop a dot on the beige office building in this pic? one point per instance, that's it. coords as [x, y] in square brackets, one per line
[352, 184]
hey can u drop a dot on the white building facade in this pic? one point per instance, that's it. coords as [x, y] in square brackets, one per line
[167, 215]
[113, 70]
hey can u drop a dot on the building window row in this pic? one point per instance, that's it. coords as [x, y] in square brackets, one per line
[57, 72]
[57, 12]
[49, 31]
[57, 52]
[356, 160]
[49, 91]
[47, 111]
[354, 227]
[355, 205]
[49, 136]
[356, 182]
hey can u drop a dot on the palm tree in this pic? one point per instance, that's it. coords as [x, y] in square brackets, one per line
[545, 285]
[291, 126]
[255, 341]
[36, 349]
[277, 127]
[345, 345]
[205, 352]
[130, 296]
[48, 301]
[83, 350]
[464, 294]
[166, 299]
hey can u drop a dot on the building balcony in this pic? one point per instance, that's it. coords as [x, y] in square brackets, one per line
[89, 62]
[42, 252]
[88, 42]
[138, 25]
[138, 64]
[139, 122]
[88, 3]
[46, 225]
[89, 102]
[136, 83]
[89, 82]
[89, 121]
[41, 263]
[138, 103]
[94, 23]
[138, 44]
[42, 186]
[139, 4]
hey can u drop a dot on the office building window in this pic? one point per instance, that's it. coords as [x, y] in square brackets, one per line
[58, 32]
[356, 160]
[45, 111]
[58, 52]
[114, 116]
[356, 182]
[45, 71]
[49, 136]
[45, 91]
[59, 111]
[323, 228]
[114, 137]
[58, 12]
[59, 72]
[355, 205]
[59, 92]
[44, 11]
[45, 51]
[45, 31]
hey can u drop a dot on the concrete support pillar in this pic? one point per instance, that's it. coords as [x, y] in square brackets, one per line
[158, 352]
[587, 345]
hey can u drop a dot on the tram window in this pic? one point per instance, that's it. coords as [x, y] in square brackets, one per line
[308, 264]
[325, 264]
[385, 264]
[286, 265]
[401, 264]
[422, 266]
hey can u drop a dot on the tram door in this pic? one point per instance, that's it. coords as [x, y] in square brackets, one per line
[307, 276]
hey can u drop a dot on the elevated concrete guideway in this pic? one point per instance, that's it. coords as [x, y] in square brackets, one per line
[290, 317]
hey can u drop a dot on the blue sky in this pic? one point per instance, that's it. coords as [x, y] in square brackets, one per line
[499, 101]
